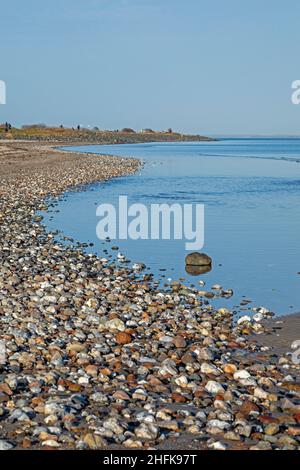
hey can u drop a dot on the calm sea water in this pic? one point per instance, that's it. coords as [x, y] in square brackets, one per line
[251, 192]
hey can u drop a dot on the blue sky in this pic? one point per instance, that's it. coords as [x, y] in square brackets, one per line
[207, 66]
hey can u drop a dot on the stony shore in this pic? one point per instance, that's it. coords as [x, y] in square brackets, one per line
[98, 358]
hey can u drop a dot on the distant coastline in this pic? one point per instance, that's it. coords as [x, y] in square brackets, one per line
[95, 136]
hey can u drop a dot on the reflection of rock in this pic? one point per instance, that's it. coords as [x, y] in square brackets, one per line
[198, 259]
[197, 270]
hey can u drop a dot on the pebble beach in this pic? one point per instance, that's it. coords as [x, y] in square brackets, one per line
[98, 357]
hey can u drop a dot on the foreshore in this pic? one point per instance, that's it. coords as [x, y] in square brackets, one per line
[97, 358]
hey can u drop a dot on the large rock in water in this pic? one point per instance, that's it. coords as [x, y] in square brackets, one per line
[198, 259]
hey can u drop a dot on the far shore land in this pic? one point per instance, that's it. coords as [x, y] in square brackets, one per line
[74, 135]
[98, 358]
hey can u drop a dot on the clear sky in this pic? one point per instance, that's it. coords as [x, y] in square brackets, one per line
[207, 66]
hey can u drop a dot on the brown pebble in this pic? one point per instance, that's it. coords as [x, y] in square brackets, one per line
[5, 388]
[178, 398]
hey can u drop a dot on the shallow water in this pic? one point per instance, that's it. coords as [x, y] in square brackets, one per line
[251, 192]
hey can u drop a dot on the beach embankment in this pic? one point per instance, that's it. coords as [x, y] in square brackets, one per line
[95, 356]
[78, 136]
